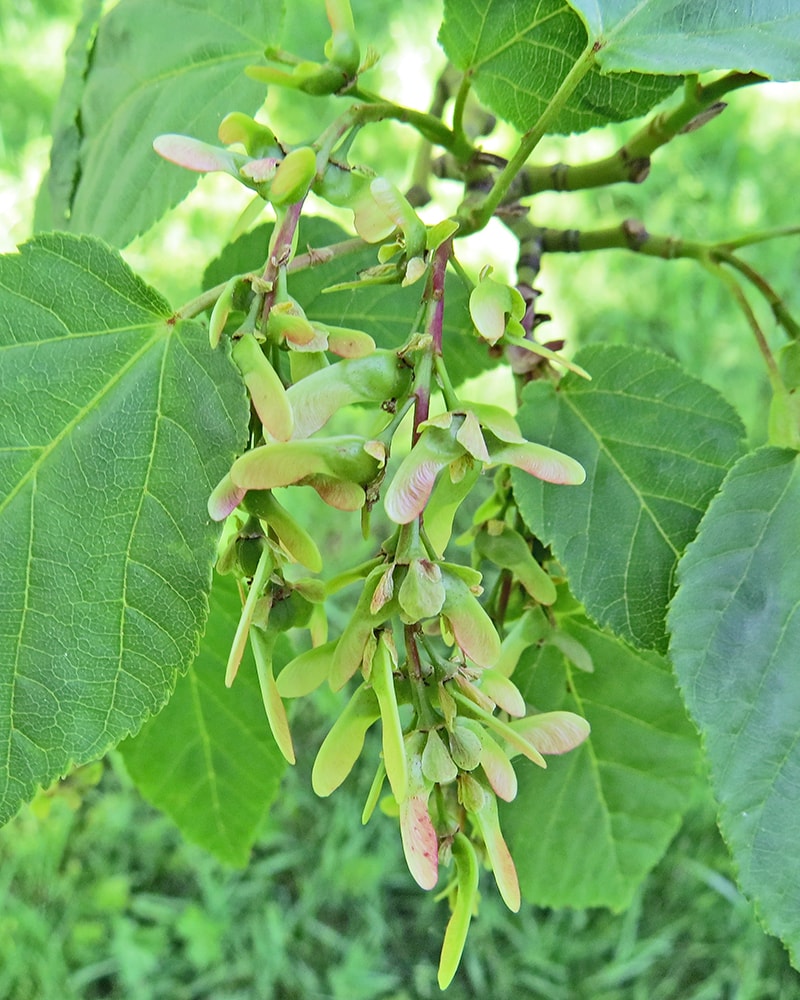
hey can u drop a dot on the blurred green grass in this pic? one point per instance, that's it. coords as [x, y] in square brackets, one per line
[99, 896]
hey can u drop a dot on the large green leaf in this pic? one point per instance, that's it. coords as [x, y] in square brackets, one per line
[209, 759]
[58, 185]
[386, 312]
[115, 423]
[157, 66]
[518, 53]
[735, 625]
[656, 444]
[687, 36]
[587, 830]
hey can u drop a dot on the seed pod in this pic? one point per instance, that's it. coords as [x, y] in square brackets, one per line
[507, 549]
[353, 640]
[538, 460]
[198, 156]
[220, 313]
[528, 629]
[259, 140]
[265, 387]
[420, 843]
[225, 498]
[553, 732]
[376, 378]
[348, 343]
[297, 542]
[374, 793]
[342, 746]
[306, 672]
[408, 492]
[472, 627]
[282, 463]
[398, 208]
[262, 644]
[503, 692]
[495, 762]
[495, 307]
[257, 585]
[505, 873]
[342, 47]
[294, 177]
[382, 679]
[455, 935]
[470, 793]
[444, 501]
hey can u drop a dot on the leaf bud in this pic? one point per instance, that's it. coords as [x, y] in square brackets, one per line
[496, 307]
[465, 748]
[470, 793]
[437, 764]
[422, 592]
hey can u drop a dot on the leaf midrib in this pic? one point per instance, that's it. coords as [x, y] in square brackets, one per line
[160, 335]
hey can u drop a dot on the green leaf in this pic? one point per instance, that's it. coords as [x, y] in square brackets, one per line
[518, 54]
[116, 423]
[656, 444]
[735, 626]
[665, 36]
[587, 830]
[157, 66]
[386, 312]
[208, 759]
[67, 136]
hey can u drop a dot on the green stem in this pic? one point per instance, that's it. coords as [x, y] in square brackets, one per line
[739, 297]
[631, 162]
[632, 235]
[313, 258]
[323, 255]
[451, 399]
[458, 109]
[782, 315]
[760, 237]
[481, 215]
[628, 235]
[375, 109]
[202, 302]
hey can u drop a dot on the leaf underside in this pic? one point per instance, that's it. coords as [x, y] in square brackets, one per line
[157, 66]
[115, 425]
[518, 54]
[656, 443]
[587, 830]
[735, 625]
[688, 36]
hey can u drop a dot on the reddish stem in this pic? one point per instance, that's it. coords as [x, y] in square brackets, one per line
[438, 271]
[280, 253]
